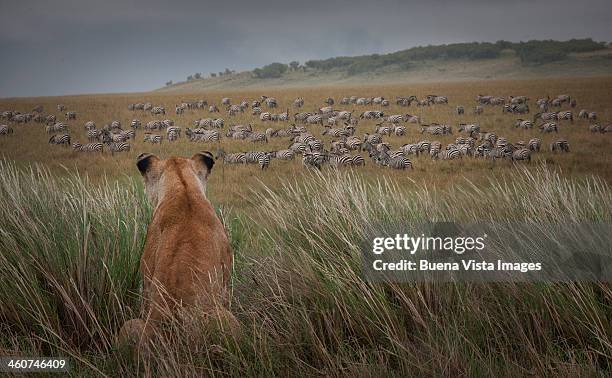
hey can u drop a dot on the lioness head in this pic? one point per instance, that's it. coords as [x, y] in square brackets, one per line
[161, 176]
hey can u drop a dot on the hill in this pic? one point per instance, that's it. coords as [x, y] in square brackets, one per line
[454, 62]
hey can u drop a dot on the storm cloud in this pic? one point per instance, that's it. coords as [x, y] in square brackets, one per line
[71, 46]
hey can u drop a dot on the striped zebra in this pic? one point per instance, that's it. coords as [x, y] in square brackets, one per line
[255, 110]
[383, 130]
[156, 110]
[398, 162]
[61, 107]
[315, 145]
[395, 118]
[313, 159]
[411, 149]
[5, 130]
[204, 136]
[566, 115]
[89, 125]
[63, 139]
[269, 101]
[257, 137]
[399, 130]
[534, 144]
[179, 109]
[234, 158]
[115, 124]
[70, 116]
[172, 136]
[153, 125]
[283, 154]
[545, 116]
[521, 154]
[258, 157]
[345, 101]
[226, 101]
[135, 124]
[50, 119]
[232, 110]
[372, 138]
[94, 135]
[560, 145]
[118, 147]
[89, 147]
[108, 137]
[213, 109]
[460, 110]
[314, 119]
[127, 134]
[174, 129]
[265, 116]
[153, 138]
[469, 128]
[478, 110]
[339, 132]
[56, 127]
[298, 147]
[338, 161]
[301, 117]
[496, 153]
[549, 127]
[298, 102]
[436, 130]
[448, 154]
[353, 143]
[412, 118]
[372, 114]
[524, 124]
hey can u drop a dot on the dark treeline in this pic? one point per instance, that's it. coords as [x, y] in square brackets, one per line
[531, 52]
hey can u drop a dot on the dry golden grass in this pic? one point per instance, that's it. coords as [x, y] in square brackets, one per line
[590, 153]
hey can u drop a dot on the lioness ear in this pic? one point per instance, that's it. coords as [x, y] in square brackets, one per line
[206, 158]
[145, 161]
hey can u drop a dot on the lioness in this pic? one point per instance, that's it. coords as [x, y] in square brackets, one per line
[187, 257]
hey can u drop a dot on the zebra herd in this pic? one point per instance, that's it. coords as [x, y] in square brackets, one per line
[341, 127]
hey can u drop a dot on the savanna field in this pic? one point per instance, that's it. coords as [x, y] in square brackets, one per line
[72, 228]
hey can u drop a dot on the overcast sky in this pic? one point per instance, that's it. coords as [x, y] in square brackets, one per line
[55, 47]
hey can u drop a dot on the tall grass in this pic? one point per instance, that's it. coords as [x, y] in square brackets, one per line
[68, 278]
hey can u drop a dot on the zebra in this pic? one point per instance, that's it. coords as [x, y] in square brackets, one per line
[254, 157]
[545, 116]
[437, 129]
[521, 154]
[313, 159]
[94, 135]
[265, 116]
[525, 124]
[5, 130]
[173, 135]
[315, 145]
[179, 109]
[496, 152]
[298, 102]
[548, 127]
[135, 124]
[89, 147]
[107, 137]
[383, 130]
[63, 139]
[460, 110]
[314, 119]
[127, 134]
[226, 101]
[255, 110]
[213, 109]
[115, 125]
[561, 145]
[534, 144]
[167, 123]
[372, 138]
[399, 130]
[451, 154]
[56, 127]
[204, 136]
[395, 118]
[153, 125]
[298, 147]
[372, 114]
[70, 115]
[153, 138]
[567, 115]
[478, 110]
[232, 110]
[118, 147]
[234, 158]
[90, 125]
[353, 143]
[338, 161]
[283, 154]
[50, 119]
[412, 118]
[595, 128]
[269, 101]
[158, 110]
[258, 137]
[174, 129]
[469, 128]
[398, 162]
[411, 148]
[61, 107]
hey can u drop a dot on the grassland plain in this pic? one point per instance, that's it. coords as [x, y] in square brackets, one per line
[229, 185]
[72, 232]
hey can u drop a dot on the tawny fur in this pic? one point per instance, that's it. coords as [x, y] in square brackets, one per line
[187, 258]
